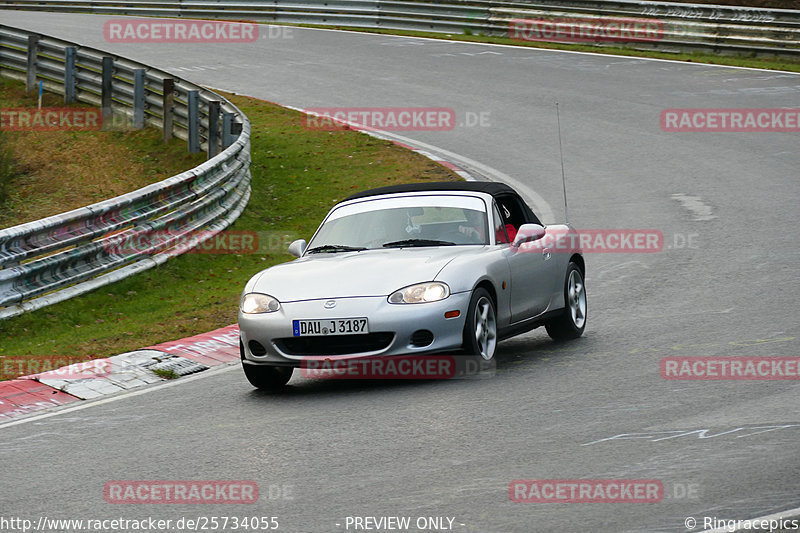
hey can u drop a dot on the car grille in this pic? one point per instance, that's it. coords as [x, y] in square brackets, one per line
[335, 344]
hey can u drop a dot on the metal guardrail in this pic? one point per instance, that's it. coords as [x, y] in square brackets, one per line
[61, 256]
[682, 27]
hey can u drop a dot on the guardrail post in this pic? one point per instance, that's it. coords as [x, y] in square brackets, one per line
[33, 52]
[69, 74]
[138, 98]
[236, 130]
[168, 105]
[213, 128]
[194, 121]
[108, 73]
[227, 129]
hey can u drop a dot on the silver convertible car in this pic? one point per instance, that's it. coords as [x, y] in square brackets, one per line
[413, 269]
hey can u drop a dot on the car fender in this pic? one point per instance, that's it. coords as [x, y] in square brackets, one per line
[464, 274]
[565, 243]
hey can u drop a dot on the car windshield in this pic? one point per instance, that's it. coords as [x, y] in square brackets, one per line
[404, 222]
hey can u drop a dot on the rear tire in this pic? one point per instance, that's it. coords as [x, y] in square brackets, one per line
[268, 378]
[572, 322]
[480, 330]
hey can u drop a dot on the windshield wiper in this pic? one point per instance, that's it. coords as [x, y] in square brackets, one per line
[417, 242]
[325, 248]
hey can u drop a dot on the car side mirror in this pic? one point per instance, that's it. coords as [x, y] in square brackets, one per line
[528, 233]
[297, 247]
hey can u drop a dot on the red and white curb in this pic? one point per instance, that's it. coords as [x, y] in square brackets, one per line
[85, 381]
[19, 397]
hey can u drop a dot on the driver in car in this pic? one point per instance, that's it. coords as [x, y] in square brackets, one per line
[474, 231]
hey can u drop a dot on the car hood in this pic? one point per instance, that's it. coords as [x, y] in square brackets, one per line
[349, 274]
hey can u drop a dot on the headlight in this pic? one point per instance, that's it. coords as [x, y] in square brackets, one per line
[254, 302]
[420, 293]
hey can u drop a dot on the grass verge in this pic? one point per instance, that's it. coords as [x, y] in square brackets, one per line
[7, 172]
[50, 172]
[297, 175]
[166, 373]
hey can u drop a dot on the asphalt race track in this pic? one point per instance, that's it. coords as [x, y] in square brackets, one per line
[724, 284]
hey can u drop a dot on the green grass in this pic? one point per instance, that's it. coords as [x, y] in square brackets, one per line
[166, 373]
[7, 171]
[297, 173]
[44, 173]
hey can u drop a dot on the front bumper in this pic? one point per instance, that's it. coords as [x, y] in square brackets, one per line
[395, 324]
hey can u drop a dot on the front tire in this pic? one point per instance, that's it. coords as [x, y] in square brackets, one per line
[572, 321]
[269, 378]
[480, 331]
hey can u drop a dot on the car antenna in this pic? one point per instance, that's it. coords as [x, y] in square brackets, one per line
[563, 176]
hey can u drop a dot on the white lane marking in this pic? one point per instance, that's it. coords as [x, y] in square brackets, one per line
[789, 514]
[696, 205]
[85, 404]
[656, 436]
[447, 54]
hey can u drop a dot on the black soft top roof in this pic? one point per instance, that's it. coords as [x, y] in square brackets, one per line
[490, 187]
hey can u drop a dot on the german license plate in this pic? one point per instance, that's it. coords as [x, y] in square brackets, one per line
[330, 326]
